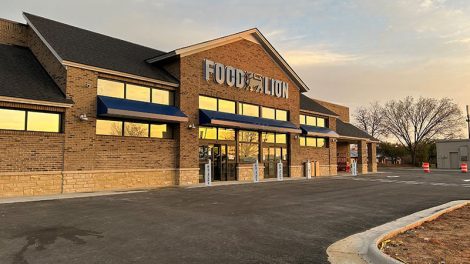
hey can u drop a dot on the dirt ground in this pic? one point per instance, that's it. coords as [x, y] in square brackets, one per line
[443, 240]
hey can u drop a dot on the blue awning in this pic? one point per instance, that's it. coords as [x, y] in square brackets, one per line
[318, 131]
[207, 117]
[123, 108]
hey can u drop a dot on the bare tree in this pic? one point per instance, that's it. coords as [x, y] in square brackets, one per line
[416, 122]
[370, 119]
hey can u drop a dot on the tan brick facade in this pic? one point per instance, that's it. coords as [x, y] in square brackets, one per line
[78, 160]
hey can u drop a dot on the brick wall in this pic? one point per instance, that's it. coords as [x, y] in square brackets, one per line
[341, 110]
[13, 33]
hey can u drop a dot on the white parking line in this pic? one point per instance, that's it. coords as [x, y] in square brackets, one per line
[393, 176]
[466, 180]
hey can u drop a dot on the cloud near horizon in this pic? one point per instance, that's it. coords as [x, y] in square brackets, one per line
[349, 52]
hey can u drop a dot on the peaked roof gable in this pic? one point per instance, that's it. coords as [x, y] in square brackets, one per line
[72, 45]
[253, 35]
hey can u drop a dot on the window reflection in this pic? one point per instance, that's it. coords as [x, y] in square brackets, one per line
[207, 132]
[268, 137]
[161, 131]
[108, 127]
[302, 119]
[248, 110]
[269, 113]
[310, 121]
[12, 119]
[281, 115]
[227, 106]
[226, 134]
[207, 103]
[321, 142]
[44, 122]
[281, 138]
[163, 97]
[321, 122]
[248, 136]
[110, 88]
[311, 142]
[136, 129]
[248, 152]
[137, 93]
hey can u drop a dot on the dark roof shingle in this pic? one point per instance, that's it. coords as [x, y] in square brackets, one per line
[22, 76]
[93, 49]
[349, 130]
[308, 104]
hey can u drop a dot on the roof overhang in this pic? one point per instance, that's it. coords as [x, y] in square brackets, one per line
[253, 35]
[318, 131]
[34, 102]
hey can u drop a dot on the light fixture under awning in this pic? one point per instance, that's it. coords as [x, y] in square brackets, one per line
[123, 108]
[207, 117]
[318, 131]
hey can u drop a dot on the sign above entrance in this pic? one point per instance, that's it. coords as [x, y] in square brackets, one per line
[240, 79]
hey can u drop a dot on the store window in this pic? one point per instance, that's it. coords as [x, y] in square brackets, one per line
[226, 106]
[108, 127]
[316, 142]
[269, 113]
[207, 103]
[321, 122]
[163, 97]
[274, 138]
[134, 92]
[226, 134]
[248, 109]
[110, 88]
[132, 129]
[161, 131]
[281, 115]
[248, 148]
[44, 122]
[12, 119]
[313, 121]
[207, 133]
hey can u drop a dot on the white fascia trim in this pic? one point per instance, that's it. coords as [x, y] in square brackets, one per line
[117, 73]
[33, 102]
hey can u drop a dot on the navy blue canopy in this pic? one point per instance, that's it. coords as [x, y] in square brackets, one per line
[123, 108]
[318, 131]
[245, 122]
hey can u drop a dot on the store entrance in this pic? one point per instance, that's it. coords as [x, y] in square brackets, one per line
[223, 162]
[271, 156]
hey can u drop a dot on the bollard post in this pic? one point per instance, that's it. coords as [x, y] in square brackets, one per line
[280, 176]
[308, 169]
[256, 171]
[354, 167]
[208, 173]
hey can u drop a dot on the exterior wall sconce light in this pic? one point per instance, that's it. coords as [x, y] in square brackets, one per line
[296, 136]
[83, 117]
[191, 126]
[334, 140]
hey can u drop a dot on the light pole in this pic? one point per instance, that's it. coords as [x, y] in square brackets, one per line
[468, 122]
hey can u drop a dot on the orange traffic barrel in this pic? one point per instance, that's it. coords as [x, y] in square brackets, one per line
[426, 167]
[464, 167]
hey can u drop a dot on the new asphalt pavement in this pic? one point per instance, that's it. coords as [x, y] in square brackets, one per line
[273, 222]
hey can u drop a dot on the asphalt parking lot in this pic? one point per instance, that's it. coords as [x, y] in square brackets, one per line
[275, 222]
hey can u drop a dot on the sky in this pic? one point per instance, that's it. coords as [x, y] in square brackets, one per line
[348, 52]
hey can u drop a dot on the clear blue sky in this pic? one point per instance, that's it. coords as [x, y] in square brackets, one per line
[349, 52]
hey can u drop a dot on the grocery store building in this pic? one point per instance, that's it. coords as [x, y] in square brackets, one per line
[84, 112]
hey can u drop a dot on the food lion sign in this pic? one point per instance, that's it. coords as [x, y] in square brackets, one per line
[240, 79]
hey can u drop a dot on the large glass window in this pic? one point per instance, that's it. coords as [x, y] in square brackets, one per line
[226, 106]
[207, 103]
[313, 142]
[133, 129]
[248, 152]
[44, 122]
[137, 93]
[248, 136]
[12, 119]
[161, 131]
[136, 129]
[321, 122]
[248, 109]
[281, 115]
[281, 138]
[110, 88]
[310, 121]
[268, 137]
[163, 97]
[207, 132]
[108, 127]
[226, 134]
[269, 113]
[302, 119]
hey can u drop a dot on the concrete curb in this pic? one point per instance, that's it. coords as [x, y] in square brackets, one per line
[25, 199]
[363, 247]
